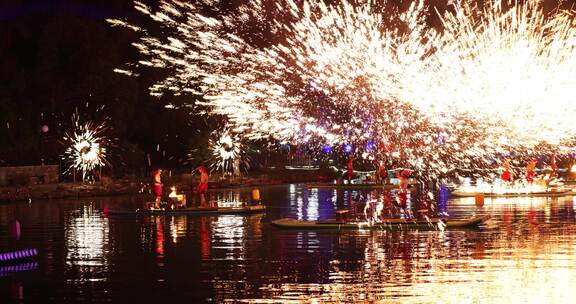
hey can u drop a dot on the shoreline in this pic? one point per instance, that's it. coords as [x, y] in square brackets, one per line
[70, 190]
[67, 190]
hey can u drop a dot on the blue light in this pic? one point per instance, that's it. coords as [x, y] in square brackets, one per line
[347, 148]
[327, 149]
[443, 198]
[370, 145]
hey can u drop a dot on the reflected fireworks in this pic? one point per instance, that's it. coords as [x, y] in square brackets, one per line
[416, 267]
[87, 239]
[229, 236]
[86, 147]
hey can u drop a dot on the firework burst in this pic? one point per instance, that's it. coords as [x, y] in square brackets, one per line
[87, 147]
[228, 153]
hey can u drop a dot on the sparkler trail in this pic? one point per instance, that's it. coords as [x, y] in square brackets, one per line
[86, 146]
[355, 73]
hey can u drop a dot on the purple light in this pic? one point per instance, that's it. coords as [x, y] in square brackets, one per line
[440, 139]
[8, 256]
[6, 270]
[327, 149]
[347, 148]
[370, 145]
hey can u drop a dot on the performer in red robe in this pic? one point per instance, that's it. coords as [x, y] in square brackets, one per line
[530, 171]
[350, 168]
[382, 172]
[157, 187]
[507, 174]
[203, 186]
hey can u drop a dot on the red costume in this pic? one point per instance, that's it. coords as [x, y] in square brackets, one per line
[506, 176]
[403, 196]
[530, 173]
[403, 191]
[530, 176]
[158, 189]
[382, 170]
[350, 168]
[202, 188]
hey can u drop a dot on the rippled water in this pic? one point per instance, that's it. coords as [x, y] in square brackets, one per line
[526, 253]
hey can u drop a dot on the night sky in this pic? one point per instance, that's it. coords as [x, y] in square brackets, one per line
[58, 56]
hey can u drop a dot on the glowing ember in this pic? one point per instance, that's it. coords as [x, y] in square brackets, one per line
[173, 192]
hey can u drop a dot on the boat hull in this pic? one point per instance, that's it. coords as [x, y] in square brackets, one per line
[193, 211]
[390, 224]
[533, 194]
[352, 186]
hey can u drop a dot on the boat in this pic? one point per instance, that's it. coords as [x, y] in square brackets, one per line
[387, 224]
[191, 211]
[354, 186]
[551, 193]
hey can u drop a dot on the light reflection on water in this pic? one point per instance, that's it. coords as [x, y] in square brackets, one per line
[86, 237]
[441, 267]
[526, 253]
[228, 233]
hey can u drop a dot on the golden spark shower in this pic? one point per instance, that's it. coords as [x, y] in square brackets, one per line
[493, 81]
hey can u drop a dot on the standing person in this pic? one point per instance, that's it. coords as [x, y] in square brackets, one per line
[530, 171]
[403, 190]
[382, 172]
[203, 186]
[350, 169]
[403, 177]
[157, 187]
[507, 174]
[553, 166]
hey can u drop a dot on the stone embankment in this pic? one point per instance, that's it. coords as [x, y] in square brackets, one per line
[67, 190]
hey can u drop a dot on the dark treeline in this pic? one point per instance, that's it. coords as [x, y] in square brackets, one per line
[59, 56]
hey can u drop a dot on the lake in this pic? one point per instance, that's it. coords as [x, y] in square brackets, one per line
[525, 253]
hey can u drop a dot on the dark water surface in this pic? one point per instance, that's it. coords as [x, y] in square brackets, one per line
[526, 253]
